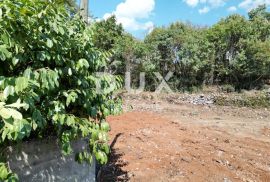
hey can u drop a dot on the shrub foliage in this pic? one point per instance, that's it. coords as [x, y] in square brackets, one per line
[48, 80]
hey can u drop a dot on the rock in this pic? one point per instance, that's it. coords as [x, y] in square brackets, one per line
[268, 93]
[201, 100]
[186, 159]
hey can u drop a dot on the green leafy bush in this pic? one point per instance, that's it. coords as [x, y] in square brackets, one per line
[48, 79]
[6, 174]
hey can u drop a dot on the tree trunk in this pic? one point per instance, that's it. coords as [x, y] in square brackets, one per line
[128, 63]
[84, 10]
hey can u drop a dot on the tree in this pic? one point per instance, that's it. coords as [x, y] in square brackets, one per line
[229, 52]
[260, 11]
[183, 49]
[160, 42]
[107, 33]
[226, 36]
[125, 51]
[70, 5]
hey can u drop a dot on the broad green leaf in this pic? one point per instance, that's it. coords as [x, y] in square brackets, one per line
[71, 98]
[79, 158]
[7, 113]
[4, 53]
[15, 61]
[94, 134]
[61, 30]
[106, 148]
[3, 172]
[82, 63]
[41, 56]
[4, 134]
[102, 136]
[13, 177]
[38, 118]
[2, 104]
[106, 112]
[89, 159]
[93, 112]
[70, 121]
[105, 126]
[49, 43]
[5, 39]
[27, 73]
[69, 72]
[2, 80]
[9, 90]
[25, 128]
[101, 157]
[34, 125]
[18, 105]
[40, 14]
[21, 84]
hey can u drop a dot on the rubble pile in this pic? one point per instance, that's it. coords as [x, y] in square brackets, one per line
[202, 100]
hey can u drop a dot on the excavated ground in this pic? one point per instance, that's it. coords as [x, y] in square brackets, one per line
[160, 140]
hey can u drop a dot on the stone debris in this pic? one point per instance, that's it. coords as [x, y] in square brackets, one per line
[202, 100]
[268, 93]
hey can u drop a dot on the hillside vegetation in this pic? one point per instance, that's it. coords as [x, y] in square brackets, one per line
[234, 52]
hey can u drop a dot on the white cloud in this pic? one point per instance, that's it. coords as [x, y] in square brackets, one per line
[204, 10]
[232, 9]
[130, 12]
[208, 4]
[192, 3]
[215, 3]
[135, 8]
[107, 15]
[250, 4]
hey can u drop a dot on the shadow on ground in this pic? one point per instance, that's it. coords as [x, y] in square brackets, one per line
[113, 171]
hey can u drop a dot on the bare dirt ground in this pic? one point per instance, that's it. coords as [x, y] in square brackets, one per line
[163, 140]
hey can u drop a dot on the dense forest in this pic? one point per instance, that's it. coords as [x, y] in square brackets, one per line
[234, 52]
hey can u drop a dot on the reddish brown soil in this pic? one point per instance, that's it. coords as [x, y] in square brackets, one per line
[159, 146]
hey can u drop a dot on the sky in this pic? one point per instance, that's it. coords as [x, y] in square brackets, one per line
[139, 17]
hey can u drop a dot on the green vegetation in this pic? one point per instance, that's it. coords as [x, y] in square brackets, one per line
[48, 80]
[259, 100]
[50, 59]
[235, 51]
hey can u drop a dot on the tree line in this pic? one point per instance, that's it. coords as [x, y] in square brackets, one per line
[235, 51]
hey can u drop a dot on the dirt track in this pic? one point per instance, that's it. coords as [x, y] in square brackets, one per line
[162, 141]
